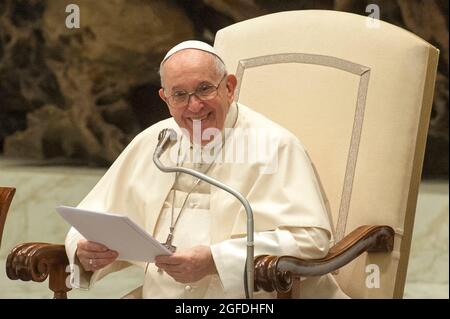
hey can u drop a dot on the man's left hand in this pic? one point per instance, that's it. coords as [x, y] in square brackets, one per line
[189, 265]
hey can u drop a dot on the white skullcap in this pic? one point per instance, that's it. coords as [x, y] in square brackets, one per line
[191, 44]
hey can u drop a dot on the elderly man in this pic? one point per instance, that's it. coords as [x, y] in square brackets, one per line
[205, 224]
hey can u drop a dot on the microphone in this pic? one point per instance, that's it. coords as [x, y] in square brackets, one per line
[163, 139]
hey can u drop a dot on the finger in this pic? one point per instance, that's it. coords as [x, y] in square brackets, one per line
[99, 255]
[181, 279]
[175, 275]
[171, 268]
[96, 264]
[100, 263]
[93, 246]
[85, 256]
[170, 260]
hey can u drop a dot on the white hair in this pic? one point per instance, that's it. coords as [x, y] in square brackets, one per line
[220, 68]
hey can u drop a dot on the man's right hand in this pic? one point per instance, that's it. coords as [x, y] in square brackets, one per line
[94, 256]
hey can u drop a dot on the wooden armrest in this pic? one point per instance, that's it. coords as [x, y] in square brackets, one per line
[6, 196]
[278, 272]
[37, 261]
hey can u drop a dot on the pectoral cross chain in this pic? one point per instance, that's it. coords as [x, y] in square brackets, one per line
[168, 243]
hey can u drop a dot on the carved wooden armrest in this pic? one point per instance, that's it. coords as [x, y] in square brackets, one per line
[278, 272]
[6, 196]
[37, 261]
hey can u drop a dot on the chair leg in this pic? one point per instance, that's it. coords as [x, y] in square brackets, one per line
[58, 282]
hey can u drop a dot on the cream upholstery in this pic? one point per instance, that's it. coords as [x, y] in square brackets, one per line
[359, 99]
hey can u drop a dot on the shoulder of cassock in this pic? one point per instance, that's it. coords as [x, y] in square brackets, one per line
[122, 189]
[283, 189]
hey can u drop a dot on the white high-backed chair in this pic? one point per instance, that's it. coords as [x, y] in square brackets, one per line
[358, 94]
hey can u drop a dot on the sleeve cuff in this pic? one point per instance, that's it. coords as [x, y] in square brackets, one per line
[230, 265]
[230, 256]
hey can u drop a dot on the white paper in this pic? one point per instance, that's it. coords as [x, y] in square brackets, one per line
[116, 232]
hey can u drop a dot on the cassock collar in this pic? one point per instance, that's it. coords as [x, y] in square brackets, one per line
[232, 115]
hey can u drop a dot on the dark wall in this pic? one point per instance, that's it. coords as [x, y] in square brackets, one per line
[83, 94]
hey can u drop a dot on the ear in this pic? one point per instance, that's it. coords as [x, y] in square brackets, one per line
[231, 86]
[161, 95]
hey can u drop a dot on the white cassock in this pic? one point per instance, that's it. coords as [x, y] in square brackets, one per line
[290, 216]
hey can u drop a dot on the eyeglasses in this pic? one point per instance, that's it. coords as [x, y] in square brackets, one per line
[203, 92]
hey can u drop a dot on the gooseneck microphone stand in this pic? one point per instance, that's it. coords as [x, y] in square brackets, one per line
[163, 141]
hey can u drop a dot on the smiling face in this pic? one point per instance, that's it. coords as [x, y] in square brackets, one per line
[189, 70]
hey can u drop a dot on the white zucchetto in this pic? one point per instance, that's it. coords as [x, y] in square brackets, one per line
[191, 44]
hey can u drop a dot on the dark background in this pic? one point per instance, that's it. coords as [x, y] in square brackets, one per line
[78, 96]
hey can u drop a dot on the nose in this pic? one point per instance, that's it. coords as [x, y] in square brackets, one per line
[194, 104]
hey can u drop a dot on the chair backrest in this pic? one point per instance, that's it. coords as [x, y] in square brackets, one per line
[358, 94]
[6, 196]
